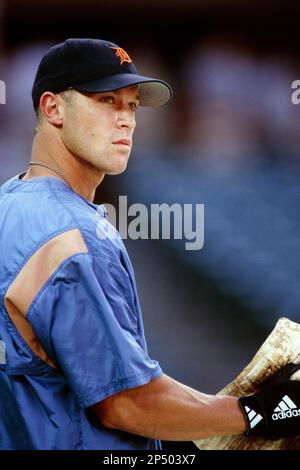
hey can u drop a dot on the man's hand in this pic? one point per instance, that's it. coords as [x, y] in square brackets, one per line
[274, 411]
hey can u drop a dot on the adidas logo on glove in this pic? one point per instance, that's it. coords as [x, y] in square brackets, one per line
[274, 410]
[285, 409]
[254, 418]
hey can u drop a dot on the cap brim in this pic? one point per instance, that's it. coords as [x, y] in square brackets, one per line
[152, 92]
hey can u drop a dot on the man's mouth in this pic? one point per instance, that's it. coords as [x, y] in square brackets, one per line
[125, 142]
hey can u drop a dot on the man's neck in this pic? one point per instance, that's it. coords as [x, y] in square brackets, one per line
[81, 176]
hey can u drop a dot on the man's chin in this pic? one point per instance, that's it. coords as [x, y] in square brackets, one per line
[118, 170]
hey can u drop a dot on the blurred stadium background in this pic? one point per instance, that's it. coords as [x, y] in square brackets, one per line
[230, 139]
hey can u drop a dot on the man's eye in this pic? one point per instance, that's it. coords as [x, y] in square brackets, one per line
[107, 99]
[133, 106]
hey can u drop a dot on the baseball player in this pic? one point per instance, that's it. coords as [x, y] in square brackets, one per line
[74, 368]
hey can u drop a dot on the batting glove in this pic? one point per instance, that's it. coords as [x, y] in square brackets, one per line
[274, 411]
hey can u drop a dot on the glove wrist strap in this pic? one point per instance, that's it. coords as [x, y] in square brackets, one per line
[254, 416]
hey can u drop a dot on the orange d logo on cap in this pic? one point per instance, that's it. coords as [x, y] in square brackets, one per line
[122, 55]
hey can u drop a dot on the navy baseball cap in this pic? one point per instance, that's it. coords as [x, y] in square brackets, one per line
[94, 65]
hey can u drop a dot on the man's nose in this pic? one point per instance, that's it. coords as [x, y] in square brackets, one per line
[126, 119]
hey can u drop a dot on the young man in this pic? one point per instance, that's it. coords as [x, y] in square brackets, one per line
[75, 371]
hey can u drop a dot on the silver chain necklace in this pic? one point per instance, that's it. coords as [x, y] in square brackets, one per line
[55, 171]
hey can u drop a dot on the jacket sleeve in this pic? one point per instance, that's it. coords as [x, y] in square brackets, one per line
[93, 340]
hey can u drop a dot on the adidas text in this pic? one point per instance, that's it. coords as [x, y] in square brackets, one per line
[285, 414]
[286, 408]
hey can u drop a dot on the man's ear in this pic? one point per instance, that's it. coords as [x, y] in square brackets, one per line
[51, 108]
